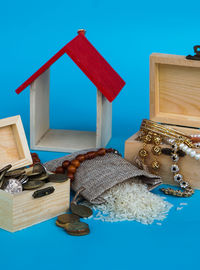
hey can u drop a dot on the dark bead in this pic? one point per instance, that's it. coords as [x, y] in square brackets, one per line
[80, 158]
[71, 169]
[75, 163]
[101, 152]
[166, 151]
[181, 153]
[34, 155]
[60, 169]
[65, 164]
[110, 150]
[91, 155]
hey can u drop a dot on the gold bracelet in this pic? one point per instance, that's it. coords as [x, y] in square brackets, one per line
[152, 132]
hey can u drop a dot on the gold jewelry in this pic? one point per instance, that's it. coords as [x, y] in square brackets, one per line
[152, 132]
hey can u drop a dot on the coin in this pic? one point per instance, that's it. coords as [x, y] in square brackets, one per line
[32, 173]
[58, 178]
[77, 228]
[60, 224]
[6, 168]
[81, 210]
[40, 177]
[33, 184]
[37, 169]
[15, 173]
[68, 218]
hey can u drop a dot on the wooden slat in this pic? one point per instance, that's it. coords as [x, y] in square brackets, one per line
[39, 108]
[104, 120]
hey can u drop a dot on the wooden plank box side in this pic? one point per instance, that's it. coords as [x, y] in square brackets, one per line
[174, 90]
[13, 147]
[189, 167]
[22, 210]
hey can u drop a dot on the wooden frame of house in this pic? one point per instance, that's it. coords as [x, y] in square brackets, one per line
[108, 84]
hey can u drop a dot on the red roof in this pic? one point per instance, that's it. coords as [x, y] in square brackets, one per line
[89, 60]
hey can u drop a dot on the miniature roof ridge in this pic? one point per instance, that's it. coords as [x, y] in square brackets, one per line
[42, 69]
[91, 62]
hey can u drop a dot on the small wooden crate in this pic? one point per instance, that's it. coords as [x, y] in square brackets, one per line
[13, 144]
[22, 210]
[174, 100]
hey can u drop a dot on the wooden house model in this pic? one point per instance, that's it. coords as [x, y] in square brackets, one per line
[103, 76]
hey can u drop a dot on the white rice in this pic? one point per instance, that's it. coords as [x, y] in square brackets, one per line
[131, 201]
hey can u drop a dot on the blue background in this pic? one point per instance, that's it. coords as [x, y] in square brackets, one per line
[125, 33]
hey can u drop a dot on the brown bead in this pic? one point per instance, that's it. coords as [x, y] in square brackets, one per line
[71, 176]
[71, 169]
[65, 164]
[34, 155]
[101, 152]
[36, 159]
[60, 169]
[80, 158]
[75, 163]
[86, 156]
[91, 155]
[110, 150]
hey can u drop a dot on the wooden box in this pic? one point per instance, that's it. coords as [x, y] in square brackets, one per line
[13, 144]
[174, 101]
[22, 210]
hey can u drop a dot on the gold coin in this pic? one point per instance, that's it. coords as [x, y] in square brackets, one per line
[77, 228]
[37, 169]
[33, 184]
[68, 218]
[40, 177]
[60, 224]
[15, 173]
[58, 178]
[81, 210]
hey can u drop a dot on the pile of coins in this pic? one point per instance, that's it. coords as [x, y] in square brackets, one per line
[71, 222]
[15, 181]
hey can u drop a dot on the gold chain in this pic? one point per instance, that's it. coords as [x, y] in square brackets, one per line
[152, 132]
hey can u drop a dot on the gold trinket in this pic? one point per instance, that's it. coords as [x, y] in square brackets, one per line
[156, 150]
[155, 165]
[143, 153]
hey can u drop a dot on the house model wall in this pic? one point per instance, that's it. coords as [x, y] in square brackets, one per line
[108, 84]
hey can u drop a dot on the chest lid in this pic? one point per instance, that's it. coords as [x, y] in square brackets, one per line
[174, 90]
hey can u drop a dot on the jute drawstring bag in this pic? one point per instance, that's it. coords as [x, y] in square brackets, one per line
[97, 175]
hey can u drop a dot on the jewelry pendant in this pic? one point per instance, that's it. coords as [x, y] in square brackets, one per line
[143, 153]
[155, 165]
[156, 150]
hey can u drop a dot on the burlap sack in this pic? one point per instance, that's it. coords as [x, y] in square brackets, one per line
[102, 173]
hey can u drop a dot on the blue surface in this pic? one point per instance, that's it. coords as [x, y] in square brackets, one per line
[125, 33]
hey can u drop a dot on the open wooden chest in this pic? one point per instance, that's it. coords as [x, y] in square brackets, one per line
[18, 211]
[175, 102]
